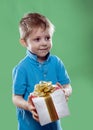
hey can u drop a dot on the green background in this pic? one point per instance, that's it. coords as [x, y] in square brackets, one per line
[72, 42]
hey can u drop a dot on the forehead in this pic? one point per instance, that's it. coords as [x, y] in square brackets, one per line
[40, 31]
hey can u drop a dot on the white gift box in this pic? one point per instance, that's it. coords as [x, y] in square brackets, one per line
[51, 108]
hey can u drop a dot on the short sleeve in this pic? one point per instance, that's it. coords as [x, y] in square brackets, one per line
[19, 81]
[62, 74]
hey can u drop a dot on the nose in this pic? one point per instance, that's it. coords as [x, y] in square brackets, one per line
[44, 42]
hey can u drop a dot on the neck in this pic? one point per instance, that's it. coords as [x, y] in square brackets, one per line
[42, 59]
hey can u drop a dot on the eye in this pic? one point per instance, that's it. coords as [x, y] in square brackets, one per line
[47, 38]
[37, 39]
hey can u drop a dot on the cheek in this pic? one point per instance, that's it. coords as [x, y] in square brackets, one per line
[33, 48]
[50, 44]
[29, 46]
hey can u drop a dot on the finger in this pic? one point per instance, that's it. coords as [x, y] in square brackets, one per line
[66, 98]
[35, 113]
[30, 97]
[32, 108]
[59, 85]
[36, 118]
[30, 100]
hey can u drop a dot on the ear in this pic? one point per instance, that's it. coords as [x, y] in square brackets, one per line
[23, 42]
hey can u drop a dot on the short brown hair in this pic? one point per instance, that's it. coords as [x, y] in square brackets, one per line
[33, 20]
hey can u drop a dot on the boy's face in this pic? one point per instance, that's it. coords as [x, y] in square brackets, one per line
[39, 42]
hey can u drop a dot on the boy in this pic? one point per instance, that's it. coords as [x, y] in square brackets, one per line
[36, 33]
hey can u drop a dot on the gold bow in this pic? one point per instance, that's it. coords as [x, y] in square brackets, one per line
[44, 89]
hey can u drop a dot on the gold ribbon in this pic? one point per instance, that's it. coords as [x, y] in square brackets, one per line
[51, 108]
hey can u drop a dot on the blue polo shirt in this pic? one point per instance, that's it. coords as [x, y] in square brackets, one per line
[29, 72]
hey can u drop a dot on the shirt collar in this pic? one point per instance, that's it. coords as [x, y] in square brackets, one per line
[34, 56]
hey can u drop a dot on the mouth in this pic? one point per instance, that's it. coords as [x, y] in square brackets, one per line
[44, 50]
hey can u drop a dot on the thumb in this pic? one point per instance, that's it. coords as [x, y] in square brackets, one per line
[59, 85]
[30, 98]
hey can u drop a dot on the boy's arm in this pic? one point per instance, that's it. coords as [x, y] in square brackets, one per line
[19, 101]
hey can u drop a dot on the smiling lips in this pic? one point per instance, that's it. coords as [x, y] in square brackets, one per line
[43, 49]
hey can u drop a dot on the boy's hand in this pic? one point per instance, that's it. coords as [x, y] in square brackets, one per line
[32, 108]
[64, 89]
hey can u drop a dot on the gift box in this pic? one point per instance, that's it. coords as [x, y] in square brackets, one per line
[50, 103]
